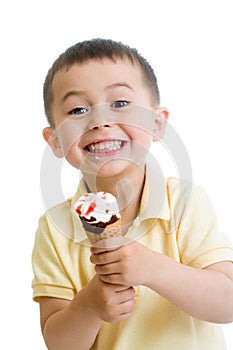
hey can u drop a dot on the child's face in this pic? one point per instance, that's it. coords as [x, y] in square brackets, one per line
[100, 142]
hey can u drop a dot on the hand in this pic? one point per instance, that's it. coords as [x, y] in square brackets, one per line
[126, 265]
[111, 302]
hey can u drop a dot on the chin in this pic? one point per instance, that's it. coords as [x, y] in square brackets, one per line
[114, 167]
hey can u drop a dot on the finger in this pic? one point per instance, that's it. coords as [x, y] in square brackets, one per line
[125, 295]
[119, 288]
[107, 269]
[126, 307]
[95, 250]
[122, 317]
[115, 278]
[104, 258]
[111, 279]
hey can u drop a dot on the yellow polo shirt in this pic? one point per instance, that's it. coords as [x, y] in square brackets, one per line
[175, 219]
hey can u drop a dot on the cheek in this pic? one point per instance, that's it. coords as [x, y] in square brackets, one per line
[73, 154]
[69, 141]
[69, 135]
[139, 136]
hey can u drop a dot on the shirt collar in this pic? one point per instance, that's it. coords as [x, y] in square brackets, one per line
[154, 202]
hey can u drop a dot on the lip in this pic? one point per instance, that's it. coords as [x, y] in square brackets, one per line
[107, 152]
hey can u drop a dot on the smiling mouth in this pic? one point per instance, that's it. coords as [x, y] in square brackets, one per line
[104, 147]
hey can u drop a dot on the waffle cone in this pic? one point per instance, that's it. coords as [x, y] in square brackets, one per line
[96, 234]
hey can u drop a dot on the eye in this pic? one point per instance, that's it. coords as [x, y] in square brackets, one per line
[119, 104]
[78, 111]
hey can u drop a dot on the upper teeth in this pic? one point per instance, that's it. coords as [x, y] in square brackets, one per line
[105, 146]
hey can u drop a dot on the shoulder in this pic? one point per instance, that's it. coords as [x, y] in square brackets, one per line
[188, 203]
[55, 219]
[59, 221]
[179, 189]
[179, 194]
[190, 206]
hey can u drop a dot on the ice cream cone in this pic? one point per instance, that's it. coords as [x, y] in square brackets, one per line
[100, 216]
[96, 234]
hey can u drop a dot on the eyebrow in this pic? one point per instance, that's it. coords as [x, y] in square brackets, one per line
[109, 87]
[119, 84]
[73, 93]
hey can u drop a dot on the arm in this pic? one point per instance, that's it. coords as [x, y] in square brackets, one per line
[206, 294]
[75, 324]
[64, 323]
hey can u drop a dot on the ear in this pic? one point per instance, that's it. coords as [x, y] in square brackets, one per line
[52, 140]
[160, 121]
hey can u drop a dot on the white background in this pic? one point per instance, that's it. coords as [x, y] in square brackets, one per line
[189, 44]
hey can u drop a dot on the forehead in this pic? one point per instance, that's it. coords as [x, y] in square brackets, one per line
[94, 74]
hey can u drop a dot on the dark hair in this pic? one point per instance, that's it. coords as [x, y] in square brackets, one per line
[97, 49]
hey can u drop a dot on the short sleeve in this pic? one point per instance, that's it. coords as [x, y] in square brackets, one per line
[200, 241]
[51, 277]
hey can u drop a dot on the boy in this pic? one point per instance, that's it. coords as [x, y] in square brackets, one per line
[168, 288]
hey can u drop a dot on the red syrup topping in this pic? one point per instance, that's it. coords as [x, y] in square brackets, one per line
[104, 195]
[78, 209]
[91, 208]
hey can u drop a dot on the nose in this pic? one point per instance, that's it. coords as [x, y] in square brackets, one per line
[100, 126]
[100, 119]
